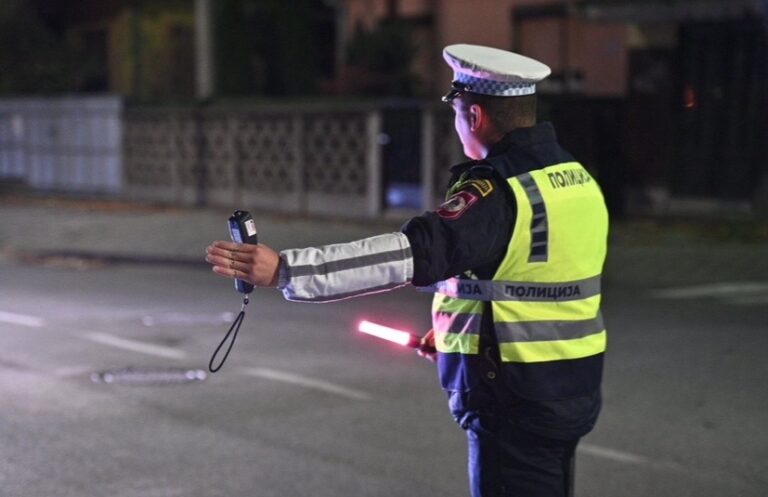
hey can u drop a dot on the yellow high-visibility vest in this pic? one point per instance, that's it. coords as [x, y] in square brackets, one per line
[545, 294]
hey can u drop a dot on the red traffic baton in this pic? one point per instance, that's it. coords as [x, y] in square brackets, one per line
[400, 337]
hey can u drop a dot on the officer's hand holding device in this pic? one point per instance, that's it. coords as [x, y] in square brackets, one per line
[242, 229]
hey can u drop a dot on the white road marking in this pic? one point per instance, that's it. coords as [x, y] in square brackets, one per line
[753, 300]
[735, 289]
[70, 371]
[612, 454]
[187, 319]
[135, 346]
[629, 458]
[22, 319]
[303, 381]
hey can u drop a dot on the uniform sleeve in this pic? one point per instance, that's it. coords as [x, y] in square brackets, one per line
[470, 230]
[344, 270]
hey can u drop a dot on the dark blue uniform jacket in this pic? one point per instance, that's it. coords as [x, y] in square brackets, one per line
[448, 242]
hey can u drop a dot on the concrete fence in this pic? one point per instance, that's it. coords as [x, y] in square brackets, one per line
[69, 144]
[320, 159]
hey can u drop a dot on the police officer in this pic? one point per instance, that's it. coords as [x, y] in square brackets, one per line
[514, 256]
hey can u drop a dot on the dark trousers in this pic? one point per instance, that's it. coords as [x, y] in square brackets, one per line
[505, 461]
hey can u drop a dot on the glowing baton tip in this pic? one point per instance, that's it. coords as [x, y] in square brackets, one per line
[390, 334]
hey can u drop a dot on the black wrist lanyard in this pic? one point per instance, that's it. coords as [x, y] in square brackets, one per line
[233, 330]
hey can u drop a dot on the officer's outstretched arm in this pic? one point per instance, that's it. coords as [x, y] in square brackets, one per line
[343, 270]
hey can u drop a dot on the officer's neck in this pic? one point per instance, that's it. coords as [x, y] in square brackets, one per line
[489, 140]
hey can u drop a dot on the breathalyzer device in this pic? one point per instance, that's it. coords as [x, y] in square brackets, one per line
[242, 229]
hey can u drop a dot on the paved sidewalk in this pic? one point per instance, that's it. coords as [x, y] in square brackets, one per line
[640, 254]
[148, 232]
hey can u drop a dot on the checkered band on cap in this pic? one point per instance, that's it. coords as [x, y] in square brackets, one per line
[496, 88]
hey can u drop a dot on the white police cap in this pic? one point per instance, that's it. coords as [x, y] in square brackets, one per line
[491, 71]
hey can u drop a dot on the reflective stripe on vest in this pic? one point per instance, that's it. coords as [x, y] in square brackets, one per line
[538, 251]
[456, 324]
[516, 290]
[545, 295]
[539, 341]
[553, 350]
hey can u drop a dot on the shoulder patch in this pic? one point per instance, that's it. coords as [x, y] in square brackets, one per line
[457, 204]
[482, 186]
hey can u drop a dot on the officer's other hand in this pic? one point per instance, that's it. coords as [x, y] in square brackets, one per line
[427, 348]
[255, 264]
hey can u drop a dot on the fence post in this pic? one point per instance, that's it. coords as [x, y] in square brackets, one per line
[201, 159]
[175, 134]
[300, 176]
[427, 158]
[231, 125]
[373, 163]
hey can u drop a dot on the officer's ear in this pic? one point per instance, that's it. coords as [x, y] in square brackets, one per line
[474, 110]
[477, 117]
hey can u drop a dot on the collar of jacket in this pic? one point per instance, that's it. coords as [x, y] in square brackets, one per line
[542, 132]
[524, 137]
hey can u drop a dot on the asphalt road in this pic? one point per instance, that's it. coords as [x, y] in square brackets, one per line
[306, 406]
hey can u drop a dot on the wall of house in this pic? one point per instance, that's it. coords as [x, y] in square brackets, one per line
[597, 50]
[482, 22]
[602, 56]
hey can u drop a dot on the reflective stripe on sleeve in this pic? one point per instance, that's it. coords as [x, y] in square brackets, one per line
[343, 270]
[350, 263]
